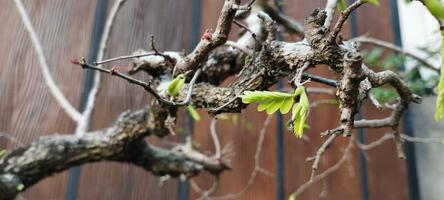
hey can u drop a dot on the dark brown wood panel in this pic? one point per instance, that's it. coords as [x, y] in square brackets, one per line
[387, 173]
[27, 108]
[170, 23]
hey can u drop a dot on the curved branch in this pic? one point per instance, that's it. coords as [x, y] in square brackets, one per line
[122, 143]
[392, 47]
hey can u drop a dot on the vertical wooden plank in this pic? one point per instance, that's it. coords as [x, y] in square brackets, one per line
[387, 174]
[27, 107]
[169, 21]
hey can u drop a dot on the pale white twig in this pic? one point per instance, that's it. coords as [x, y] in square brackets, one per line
[327, 172]
[215, 138]
[257, 168]
[330, 8]
[55, 91]
[84, 123]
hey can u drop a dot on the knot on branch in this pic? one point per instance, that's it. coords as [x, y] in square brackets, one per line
[314, 27]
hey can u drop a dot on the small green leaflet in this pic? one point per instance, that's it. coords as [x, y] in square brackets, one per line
[436, 7]
[299, 114]
[269, 101]
[292, 197]
[174, 88]
[193, 112]
[2, 152]
[341, 5]
[20, 187]
[273, 101]
[376, 2]
[176, 85]
[440, 89]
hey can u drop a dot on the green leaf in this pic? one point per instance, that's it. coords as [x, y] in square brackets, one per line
[436, 7]
[376, 2]
[193, 113]
[292, 197]
[300, 113]
[257, 96]
[20, 187]
[341, 5]
[440, 89]
[2, 152]
[264, 105]
[176, 85]
[270, 101]
[286, 105]
[299, 90]
[274, 106]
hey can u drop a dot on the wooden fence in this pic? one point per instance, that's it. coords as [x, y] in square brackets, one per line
[28, 110]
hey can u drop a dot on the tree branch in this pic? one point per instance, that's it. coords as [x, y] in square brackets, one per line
[122, 143]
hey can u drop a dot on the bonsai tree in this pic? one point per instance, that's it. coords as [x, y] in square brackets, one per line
[258, 60]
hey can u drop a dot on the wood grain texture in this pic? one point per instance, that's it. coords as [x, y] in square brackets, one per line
[27, 108]
[170, 23]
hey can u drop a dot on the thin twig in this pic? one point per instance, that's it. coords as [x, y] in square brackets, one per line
[375, 102]
[319, 79]
[207, 193]
[145, 85]
[72, 112]
[257, 168]
[392, 47]
[215, 138]
[168, 58]
[237, 95]
[327, 172]
[319, 154]
[123, 58]
[299, 73]
[84, 123]
[343, 18]
[330, 8]
[388, 136]
[246, 28]
[421, 140]
[375, 143]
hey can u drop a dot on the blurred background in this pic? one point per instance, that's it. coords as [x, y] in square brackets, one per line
[72, 28]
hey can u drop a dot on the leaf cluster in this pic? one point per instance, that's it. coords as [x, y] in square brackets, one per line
[272, 101]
